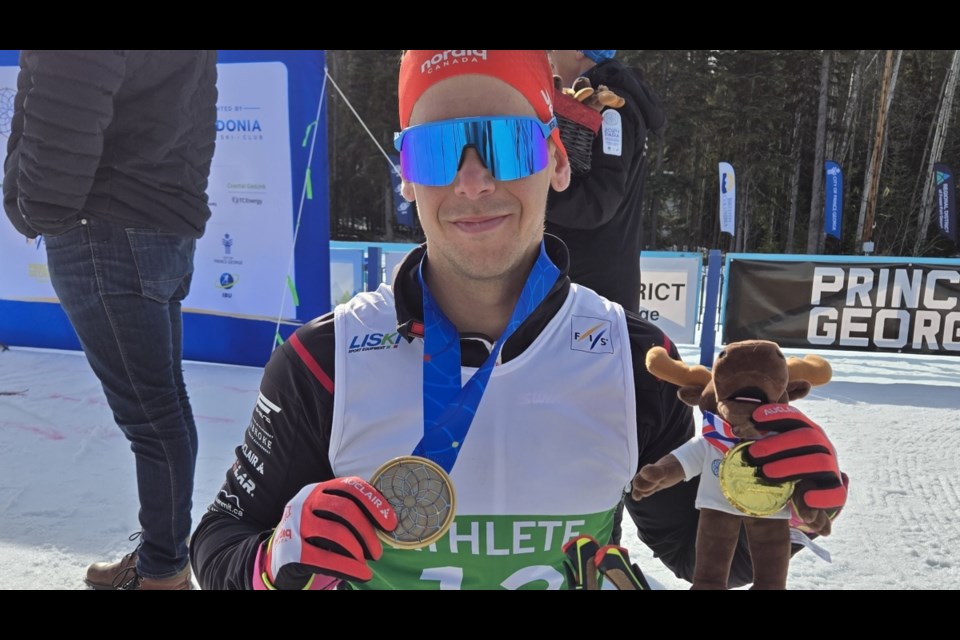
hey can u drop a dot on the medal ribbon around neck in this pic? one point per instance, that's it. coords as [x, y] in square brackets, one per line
[448, 408]
[719, 433]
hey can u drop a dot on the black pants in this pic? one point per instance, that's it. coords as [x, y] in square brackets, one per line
[617, 524]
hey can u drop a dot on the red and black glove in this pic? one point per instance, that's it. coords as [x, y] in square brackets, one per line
[798, 450]
[328, 528]
[579, 564]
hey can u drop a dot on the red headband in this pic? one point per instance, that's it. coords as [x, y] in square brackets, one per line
[527, 71]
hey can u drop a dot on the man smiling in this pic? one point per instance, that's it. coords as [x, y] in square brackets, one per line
[530, 392]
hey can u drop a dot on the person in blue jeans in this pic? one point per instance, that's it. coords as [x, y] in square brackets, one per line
[108, 159]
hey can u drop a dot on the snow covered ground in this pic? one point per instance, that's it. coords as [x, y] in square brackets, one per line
[68, 498]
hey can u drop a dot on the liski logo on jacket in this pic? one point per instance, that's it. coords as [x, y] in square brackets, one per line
[374, 342]
[592, 335]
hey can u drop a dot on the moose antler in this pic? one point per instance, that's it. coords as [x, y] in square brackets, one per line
[811, 368]
[660, 364]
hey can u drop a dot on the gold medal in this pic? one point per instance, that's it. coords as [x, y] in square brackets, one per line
[421, 493]
[750, 494]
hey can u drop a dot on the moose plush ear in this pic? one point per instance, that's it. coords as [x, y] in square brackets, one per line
[696, 396]
[806, 373]
[691, 380]
[660, 364]
[812, 368]
[797, 389]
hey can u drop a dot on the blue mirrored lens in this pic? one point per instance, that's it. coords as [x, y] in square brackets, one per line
[510, 147]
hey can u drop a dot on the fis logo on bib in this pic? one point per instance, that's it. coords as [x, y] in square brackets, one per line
[591, 334]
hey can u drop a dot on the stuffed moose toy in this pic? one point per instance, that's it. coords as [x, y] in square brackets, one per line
[763, 462]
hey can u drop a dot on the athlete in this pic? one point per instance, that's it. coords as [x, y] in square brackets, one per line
[529, 391]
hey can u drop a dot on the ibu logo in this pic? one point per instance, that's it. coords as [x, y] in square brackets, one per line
[227, 281]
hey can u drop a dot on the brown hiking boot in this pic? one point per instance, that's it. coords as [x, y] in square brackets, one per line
[180, 582]
[108, 575]
[123, 576]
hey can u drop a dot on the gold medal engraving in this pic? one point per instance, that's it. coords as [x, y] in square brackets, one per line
[752, 495]
[422, 494]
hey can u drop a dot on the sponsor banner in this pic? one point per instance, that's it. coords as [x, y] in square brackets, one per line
[242, 258]
[670, 293]
[832, 199]
[267, 101]
[728, 199]
[898, 305]
[946, 201]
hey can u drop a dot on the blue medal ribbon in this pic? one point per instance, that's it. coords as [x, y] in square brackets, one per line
[448, 408]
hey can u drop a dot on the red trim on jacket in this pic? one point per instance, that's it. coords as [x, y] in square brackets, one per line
[311, 363]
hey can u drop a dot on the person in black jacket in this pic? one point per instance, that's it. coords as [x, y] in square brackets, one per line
[108, 159]
[599, 217]
[480, 360]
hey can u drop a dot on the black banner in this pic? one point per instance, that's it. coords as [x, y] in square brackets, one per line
[867, 306]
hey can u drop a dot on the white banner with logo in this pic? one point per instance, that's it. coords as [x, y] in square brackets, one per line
[728, 199]
[241, 263]
[670, 292]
